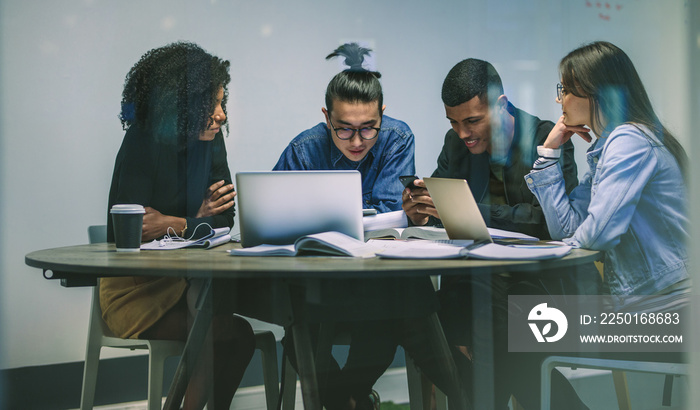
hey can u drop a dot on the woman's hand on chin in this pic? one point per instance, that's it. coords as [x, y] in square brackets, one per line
[561, 133]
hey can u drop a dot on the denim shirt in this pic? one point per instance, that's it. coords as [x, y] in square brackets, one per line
[390, 157]
[631, 204]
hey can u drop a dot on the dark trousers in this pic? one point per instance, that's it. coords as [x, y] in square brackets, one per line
[371, 353]
[372, 348]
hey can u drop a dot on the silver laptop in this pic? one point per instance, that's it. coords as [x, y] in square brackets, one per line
[278, 207]
[457, 208]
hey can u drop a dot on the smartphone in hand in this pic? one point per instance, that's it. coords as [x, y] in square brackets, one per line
[407, 181]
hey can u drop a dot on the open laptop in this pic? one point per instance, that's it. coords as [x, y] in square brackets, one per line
[278, 207]
[457, 208]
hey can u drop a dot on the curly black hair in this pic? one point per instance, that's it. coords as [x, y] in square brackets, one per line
[171, 92]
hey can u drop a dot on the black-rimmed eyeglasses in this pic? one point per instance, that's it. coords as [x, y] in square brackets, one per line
[560, 91]
[366, 133]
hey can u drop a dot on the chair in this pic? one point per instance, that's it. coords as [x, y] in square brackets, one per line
[99, 335]
[618, 366]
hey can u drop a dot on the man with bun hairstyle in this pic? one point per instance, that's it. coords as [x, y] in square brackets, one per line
[356, 135]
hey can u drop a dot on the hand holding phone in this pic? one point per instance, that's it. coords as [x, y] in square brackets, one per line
[417, 203]
[407, 181]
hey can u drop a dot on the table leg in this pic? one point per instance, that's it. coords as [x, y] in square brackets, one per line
[193, 347]
[324, 352]
[306, 366]
[425, 343]
[482, 345]
[457, 400]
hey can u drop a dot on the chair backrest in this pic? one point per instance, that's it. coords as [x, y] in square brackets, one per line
[97, 233]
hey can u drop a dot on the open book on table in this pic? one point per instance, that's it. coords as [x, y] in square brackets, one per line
[438, 234]
[217, 236]
[325, 243]
[411, 232]
[479, 250]
[338, 244]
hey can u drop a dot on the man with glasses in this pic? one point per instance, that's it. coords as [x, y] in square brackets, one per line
[493, 145]
[356, 135]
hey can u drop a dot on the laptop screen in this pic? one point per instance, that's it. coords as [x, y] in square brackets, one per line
[457, 208]
[278, 207]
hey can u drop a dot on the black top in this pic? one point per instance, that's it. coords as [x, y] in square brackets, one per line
[522, 211]
[169, 180]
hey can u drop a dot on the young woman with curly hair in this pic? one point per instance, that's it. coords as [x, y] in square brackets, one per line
[173, 162]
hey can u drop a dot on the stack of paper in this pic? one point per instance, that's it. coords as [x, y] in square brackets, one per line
[517, 252]
[418, 249]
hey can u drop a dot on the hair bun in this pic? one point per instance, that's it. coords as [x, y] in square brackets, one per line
[354, 56]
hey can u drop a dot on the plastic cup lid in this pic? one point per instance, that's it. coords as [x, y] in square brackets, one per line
[128, 209]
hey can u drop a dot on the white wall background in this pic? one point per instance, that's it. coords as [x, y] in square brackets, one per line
[62, 66]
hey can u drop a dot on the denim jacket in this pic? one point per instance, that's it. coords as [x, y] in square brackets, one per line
[390, 157]
[631, 204]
